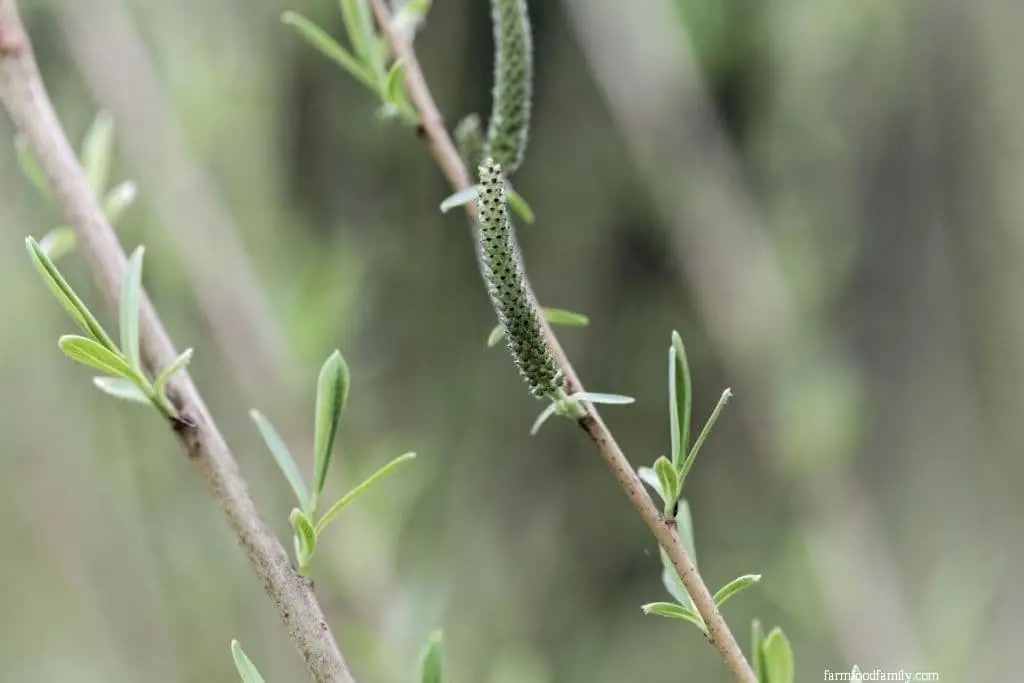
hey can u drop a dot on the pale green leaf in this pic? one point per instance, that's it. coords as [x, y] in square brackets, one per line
[756, 645]
[668, 479]
[331, 396]
[432, 659]
[131, 295]
[496, 335]
[703, 436]
[58, 242]
[78, 311]
[544, 416]
[560, 316]
[650, 477]
[118, 200]
[460, 198]
[680, 407]
[306, 535]
[598, 397]
[518, 205]
[282, 456]
[88, 352]
[330, 48]
[673, 611]
[778, 657]
[122, 388]
[362, 488]
[246, 669]
[179, 363]
[735, 586]
[97, 152]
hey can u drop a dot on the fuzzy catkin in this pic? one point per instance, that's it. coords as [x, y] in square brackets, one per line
[509, 127]
[506, 284]
[469, 138]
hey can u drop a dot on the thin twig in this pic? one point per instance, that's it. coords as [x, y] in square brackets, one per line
[447, 156]
[24, 96]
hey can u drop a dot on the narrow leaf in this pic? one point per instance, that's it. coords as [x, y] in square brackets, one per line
[703, 436]
[330, 48]
[460, 198]
[668, 479]
[165, 376]
[393, 85]
[30, 166]
[674, 611]
[78, 311]
[560, 316]
[597, 397]
[119, 199]
[352, 495]
[778, 657]
[680, 407]
[331, 395]
[58, 242]
[756, 644]
[496, 335]
[246, 669]
[282, 456]
[544, 416]
[650, 477]
[361, 33]
[122, 388]
[432, 659]
[519, 206]
[131, 294]
[306, 535]
[735, 586]
[684, 522]
[673, 584]
[88, 352]
[97, 151]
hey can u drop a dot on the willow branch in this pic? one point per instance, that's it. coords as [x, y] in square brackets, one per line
[25, 98]
[447, 157]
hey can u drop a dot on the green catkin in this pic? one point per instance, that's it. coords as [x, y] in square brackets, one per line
[509, 126]
[506, 284]
[469, 138]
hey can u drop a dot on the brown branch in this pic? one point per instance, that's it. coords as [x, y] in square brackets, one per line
[447, 156]
[26, 100]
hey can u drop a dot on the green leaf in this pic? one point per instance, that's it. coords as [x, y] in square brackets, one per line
[684, 522]
[331, 396]
[330, 48]
[673, 584]
[78, 311]
[246, 669]
[88, 352]
[352, 495]
[519, 205]
[560, 316]
[668, 479]
[756, 644]
[282, 456]
[118, 200]
[496, 335]
[607, 399]
[544, 416]
[674, 611]
[97, 151]
[778, 657]
[394, 84]
[460, 198]
[30, 166]
[361, 33]
[735, 586]
[131, 295]
[122, 388]
[703, 436]
[179, 363]
[680, 407]
[650, 477]
[58, 242]
[305, 535]
[432, 659]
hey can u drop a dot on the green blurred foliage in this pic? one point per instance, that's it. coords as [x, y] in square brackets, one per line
[882, 146]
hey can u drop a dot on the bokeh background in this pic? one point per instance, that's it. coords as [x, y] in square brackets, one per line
[824, 198]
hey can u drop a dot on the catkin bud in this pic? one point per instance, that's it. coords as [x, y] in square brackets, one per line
[509, 126]
[469, 138]
[506, 284]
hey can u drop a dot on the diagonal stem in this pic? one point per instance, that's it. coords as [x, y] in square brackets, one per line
[25, 98]
[447, 157]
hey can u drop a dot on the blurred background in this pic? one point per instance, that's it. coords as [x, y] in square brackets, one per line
[824, 198]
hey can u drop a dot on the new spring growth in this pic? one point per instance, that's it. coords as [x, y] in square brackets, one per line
[469, 138]
[509, 126]
[506, 284]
